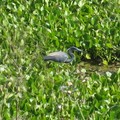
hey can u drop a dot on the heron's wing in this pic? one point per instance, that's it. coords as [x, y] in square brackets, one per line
[58, 56]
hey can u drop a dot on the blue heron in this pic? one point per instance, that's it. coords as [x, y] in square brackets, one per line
[62, 56]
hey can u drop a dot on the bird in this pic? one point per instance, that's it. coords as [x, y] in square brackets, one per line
[62, 57]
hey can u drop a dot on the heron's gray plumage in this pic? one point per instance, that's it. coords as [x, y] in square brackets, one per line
[62, 56]
[57, 56]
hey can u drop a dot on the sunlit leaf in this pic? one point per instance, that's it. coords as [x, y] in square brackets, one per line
[88, 56]
[105, 62]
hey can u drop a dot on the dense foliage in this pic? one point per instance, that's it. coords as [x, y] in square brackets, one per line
[32, 89]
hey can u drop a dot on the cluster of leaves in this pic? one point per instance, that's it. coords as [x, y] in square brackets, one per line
[60, 94]
[33, 90]
[90, 25]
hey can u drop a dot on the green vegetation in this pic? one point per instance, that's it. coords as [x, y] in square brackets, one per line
[32, 89]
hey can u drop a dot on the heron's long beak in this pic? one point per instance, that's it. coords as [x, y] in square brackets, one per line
[79, 50]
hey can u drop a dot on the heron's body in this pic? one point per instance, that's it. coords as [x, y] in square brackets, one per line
[61, 56]
[57, 56]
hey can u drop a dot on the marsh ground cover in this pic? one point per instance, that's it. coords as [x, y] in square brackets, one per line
[32, 89]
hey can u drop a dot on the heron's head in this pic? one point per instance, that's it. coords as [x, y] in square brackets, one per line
[74, 49]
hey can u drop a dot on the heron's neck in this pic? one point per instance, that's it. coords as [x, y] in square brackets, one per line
[71, 56]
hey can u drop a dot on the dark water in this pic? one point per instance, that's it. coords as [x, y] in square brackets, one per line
[99, 68]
